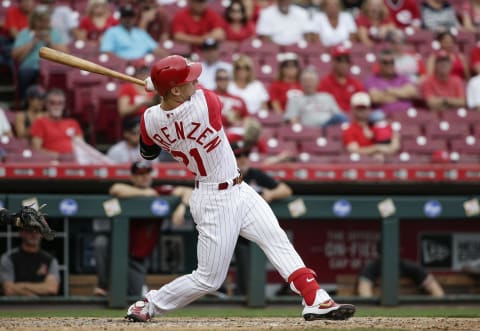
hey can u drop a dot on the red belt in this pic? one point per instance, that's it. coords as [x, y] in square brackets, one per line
[224, 185]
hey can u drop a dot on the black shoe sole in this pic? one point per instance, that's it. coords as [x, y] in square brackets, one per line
[344, 312]
[134, 318]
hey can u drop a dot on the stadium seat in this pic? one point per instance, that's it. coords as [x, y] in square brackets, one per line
[173, 47]
[12, 144]
[333, 132]
[418, 37]
[407, 158]
[298, 132]
[107, 119]
[254, 47]
[308, 158]
[84, 49]
[269, 118]
[304, 50]
[110, 61]
[462, 115]
[321, 146]
[276, 146]
[407, 130]
[53, 75]
[423, 145]
[269, 132]
[412, 115]
[466, 145]
[447, 130]
[29, 156]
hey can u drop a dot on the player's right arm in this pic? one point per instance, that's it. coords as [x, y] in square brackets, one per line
[148, 149]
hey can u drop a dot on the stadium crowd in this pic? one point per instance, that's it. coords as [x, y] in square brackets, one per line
[325, 80]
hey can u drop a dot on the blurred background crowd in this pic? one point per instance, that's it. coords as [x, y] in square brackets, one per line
[308, 81]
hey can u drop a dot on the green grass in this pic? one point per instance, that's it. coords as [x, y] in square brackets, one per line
[222, 311]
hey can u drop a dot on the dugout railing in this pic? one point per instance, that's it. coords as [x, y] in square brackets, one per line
[389, 210]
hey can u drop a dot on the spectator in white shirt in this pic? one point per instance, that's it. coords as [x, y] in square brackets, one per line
[284, 23]
[473, 93]
[333, 25]
[127, 150]
[211, 63]
[245, 86]
[5, 127]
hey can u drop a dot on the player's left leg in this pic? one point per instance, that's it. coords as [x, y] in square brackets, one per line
[215, 214]
[261, 226]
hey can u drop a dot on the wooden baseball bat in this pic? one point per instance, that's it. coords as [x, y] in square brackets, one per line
[79, 63]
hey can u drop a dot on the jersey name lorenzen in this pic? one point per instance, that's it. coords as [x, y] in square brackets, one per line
[192, 132]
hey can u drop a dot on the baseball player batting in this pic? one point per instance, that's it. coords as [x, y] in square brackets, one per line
[188, 125]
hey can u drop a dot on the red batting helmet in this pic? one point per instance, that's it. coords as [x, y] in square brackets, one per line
[173, 70]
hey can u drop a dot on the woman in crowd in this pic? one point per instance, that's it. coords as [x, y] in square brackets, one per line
[98, 19]
[333, 25]
[448, 43]
[238, 26]
[245, 86]
[373, 22]
[35, 109]
[287, 82]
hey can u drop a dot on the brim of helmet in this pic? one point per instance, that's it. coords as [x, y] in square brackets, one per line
[195, 71]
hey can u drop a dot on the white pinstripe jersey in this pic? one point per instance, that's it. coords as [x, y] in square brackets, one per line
[193, 134]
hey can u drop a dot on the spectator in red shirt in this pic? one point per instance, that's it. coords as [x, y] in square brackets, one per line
[234, 110]
[287, 83]
[459, 65]
[475, 59]
[96, 22]
[366, 138]
[16, 17]
[238, 26]
[443, 91]
[133, 99]
[404, 13]
[373, 22]
[154, 19]
[340, 83]
[53, 133]
[196, 23]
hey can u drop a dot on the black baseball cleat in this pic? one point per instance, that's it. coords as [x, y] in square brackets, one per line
[329, 310]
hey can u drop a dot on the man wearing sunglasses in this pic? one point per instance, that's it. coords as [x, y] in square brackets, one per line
[388, 90]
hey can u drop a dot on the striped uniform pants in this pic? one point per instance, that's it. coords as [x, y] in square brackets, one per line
[220, 217]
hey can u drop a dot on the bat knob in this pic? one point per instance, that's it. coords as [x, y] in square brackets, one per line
[149, 85]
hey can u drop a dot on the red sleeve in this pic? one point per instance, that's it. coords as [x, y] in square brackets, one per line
[214, 106]
[474, 57]
[348, 136]
[78, 129]
[36, 130]
[414, 9]
[143, 132]
[178, 22]
[363, 21]
[84, 23]
[127, 90]
[275, 91]
[10, 19]
[460, 88]
[243, 111]
[215, 20]
[427, 88]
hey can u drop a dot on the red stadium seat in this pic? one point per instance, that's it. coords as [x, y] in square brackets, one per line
[407, 158]
[462, 115]
[53, 75]
[333, 132]
[412, 115]
[107, 119]
[269, 118]
[407, 130]
[321, 146]
[173, 47]
[466, 145]
[85, 48]
[298, 132]
[447, 130]
[12, 144]
[423, 145]
[257, 48]
[276, 146]
[29, 156]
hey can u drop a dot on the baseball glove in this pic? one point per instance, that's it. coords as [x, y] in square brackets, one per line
[29, 218]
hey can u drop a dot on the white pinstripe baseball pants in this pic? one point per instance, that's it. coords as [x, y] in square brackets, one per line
[221, 216]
